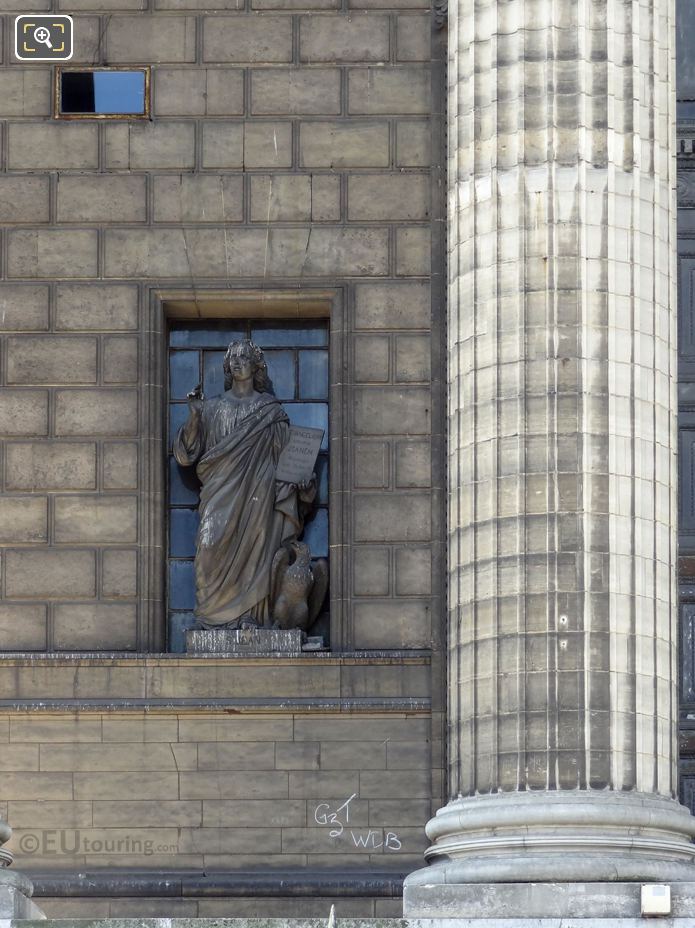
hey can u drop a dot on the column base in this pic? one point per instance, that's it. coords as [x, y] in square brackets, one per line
[572, 836]
[526, 901]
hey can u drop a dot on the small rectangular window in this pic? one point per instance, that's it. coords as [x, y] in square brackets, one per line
[102, 93]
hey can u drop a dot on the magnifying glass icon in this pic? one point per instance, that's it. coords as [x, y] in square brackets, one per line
[43, 35]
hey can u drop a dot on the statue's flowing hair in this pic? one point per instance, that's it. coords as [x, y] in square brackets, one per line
[261, 380]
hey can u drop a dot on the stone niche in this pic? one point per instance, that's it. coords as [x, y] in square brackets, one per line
[247, 488]
[248, 485]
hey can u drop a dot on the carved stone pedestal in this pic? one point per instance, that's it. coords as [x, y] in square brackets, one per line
[244, 641]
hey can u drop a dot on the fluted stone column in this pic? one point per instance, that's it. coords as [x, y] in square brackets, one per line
[562, 447]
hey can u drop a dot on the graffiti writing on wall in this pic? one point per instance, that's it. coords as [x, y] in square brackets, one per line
[337, 818]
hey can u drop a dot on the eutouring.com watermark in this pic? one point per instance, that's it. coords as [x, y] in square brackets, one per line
[69, 842]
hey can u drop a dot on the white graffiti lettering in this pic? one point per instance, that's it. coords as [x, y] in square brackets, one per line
[338, 820]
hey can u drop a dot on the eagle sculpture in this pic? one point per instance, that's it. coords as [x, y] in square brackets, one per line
[297, 587]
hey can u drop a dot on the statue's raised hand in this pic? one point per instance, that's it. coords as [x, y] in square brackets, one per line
[195, 399]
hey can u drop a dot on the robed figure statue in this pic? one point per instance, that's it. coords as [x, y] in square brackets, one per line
[246, 515]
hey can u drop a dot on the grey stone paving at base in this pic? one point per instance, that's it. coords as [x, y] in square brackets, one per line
[351, 923]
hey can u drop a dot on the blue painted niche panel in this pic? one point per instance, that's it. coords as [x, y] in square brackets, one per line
[297, 358]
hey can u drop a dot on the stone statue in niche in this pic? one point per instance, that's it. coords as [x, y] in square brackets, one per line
[250, 568]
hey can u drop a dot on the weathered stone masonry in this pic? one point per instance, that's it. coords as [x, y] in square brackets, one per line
[285, 147]
[290, 150]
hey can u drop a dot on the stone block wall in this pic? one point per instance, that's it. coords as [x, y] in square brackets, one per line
[156, 775]
[293, 149]
[221, 907]
[202, 791]
[69, 506]
[290, 146]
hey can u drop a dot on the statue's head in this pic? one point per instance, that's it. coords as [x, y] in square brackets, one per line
[246, 350]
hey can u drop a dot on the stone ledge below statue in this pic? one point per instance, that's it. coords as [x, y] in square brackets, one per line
[244, 641]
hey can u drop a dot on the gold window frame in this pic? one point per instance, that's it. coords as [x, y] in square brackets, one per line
[59, 71]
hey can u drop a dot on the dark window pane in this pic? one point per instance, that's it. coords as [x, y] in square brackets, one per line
[209, 337]
[178, 623]
[322, 625]
[687, 611]
[76, 92]
[316, 534]
[310, 415]
[685, 60]
[322, 474]
[184, 373]
[181, 585]
[183, 527]
[287, 336]
[313, 375]
[281, 370]
[184, 486]
[109, 93]
[213, 377]
[178, 413]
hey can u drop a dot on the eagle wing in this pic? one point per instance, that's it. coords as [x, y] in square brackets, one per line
[281, 562]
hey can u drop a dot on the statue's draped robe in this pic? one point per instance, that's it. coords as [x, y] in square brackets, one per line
[245, 514]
